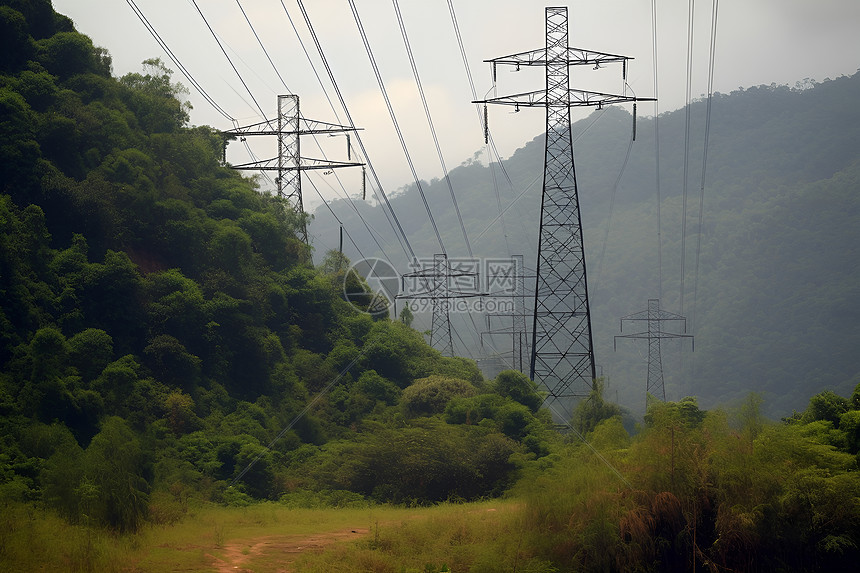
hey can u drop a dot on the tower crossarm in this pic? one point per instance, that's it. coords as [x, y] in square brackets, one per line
[573, 56]
[575, 98]
[306, 127]
[306, 163]
[658, 315]
[653, 335]
[434, 294]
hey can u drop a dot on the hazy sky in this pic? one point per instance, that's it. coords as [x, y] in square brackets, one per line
[758, 42]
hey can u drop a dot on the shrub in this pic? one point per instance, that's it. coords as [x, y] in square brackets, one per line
[430, 395]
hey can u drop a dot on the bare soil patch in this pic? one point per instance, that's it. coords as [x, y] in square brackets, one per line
[283, 550]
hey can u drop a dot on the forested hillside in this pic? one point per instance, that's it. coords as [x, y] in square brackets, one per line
[167, 347]
[773, 299]
[154, 303]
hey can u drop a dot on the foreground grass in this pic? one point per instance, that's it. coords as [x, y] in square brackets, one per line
[476, 537]
[32, 539]
[479, 537]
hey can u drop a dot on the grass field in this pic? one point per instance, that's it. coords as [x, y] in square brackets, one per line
[270, 537]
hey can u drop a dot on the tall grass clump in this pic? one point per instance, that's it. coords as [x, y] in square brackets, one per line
[572, 512]
[32, 539]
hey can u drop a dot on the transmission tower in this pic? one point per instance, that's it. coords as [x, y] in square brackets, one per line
[289, 163]
[433, 282]
[517, 329]
[562, 353]
[655, 317]
[440, 324]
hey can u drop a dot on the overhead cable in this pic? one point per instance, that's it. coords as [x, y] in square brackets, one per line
[714, 9]
[432, 127]
[687, 122]
[220, 45]
[354, 244]
[265, 51]
[612, 195]
[393, 220]
[139, 13]
[482, 121]
[657, 150]
[394, 121]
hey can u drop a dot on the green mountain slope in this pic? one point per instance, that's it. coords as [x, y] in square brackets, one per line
[775, 291]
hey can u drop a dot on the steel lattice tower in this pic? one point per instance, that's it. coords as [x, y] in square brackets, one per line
[562, 353]
[289, 163]
[433, 282]
[654, 335]
[518, 315]
[440, 324]
[289, 146]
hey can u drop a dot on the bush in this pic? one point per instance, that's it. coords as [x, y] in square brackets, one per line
[430, 395]
[423, 463]
[516, 386]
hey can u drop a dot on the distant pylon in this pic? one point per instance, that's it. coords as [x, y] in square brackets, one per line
[433, 282]
[440, 325]
[517, 329]
[289, 163]
[562, 353]
[654, 384]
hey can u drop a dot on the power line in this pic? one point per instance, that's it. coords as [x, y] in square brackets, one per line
[187, 74]
[443, 310]
[354, 244]
[259, 41]
[439, 153]
[309, 59]
[405, 240]
[715, 7]
[597, 115]
[687, 122]
[393, 220]
[657, 150]
[139, 13]
[406, 247]
[612, 195]
[432, 127]
[218, 41]
[370, 231]
[244, 83]
[511, 204]
[490, 147]
[319, 146]
[492, 151]
[394, 121]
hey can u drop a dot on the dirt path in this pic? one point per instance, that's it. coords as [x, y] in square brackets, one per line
[282, 550]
